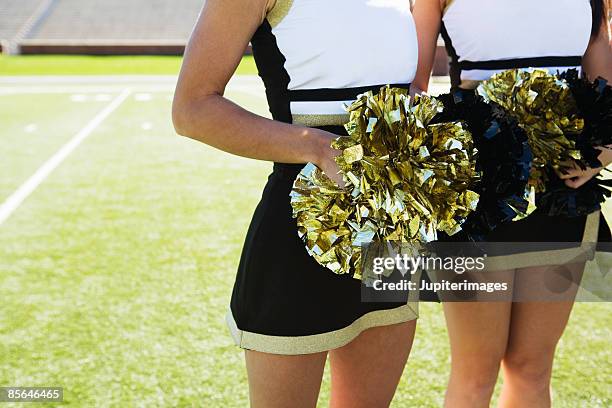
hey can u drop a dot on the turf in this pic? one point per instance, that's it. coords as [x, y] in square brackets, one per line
[30, 136]
[116, 272]
[100, 65]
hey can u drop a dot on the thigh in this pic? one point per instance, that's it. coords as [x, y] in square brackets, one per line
[548, 284]
[284, 381]
[537, 326]
[365, 372]
[478, 330]
[478, 333]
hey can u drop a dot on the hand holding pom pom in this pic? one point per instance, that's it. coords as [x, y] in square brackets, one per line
[569, 122]
[594, 104]
[406, 179]
[545, 109]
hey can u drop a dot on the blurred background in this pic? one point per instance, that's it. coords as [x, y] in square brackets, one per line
[96, 27]
[119, 240]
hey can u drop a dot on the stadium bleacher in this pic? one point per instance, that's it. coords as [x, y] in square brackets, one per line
[119, 19]
[14, 16]
[95, 26]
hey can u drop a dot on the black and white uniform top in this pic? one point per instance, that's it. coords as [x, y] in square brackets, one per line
[486, 37]
[314, 56]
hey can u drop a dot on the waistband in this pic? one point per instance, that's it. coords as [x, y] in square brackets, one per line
[337, 94]
[326, 106]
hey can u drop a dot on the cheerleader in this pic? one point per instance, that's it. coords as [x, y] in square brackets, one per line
[287, 311]
[483, 38]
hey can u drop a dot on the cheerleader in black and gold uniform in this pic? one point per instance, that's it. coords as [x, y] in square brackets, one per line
[483, 38]
[287, 311]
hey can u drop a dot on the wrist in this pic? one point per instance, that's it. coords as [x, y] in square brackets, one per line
[605, 157]
[319, 144]
[417, 89]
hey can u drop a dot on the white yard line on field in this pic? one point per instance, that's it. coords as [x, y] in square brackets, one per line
[81, 89]
[107, 79]
[15, 200]
[86, 79]
[105, 83]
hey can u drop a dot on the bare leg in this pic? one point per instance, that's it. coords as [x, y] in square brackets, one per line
[535, 330]
[478, 334]
[277, 381]
[365, 372]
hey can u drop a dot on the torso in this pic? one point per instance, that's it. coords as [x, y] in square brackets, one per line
[486, 37]
[315, 54]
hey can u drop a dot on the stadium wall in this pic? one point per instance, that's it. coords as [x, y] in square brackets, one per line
[68, 47]
[96, 47]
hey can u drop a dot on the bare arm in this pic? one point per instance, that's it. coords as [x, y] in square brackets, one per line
[427, 17]
[200, 111]
[597, 62]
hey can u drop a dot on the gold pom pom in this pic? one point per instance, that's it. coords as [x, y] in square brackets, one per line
[545, 109]
[405, 180]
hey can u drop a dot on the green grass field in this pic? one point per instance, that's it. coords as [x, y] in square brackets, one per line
[100, 65]
[116, 272]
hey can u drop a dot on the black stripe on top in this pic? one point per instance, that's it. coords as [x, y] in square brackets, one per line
[537, 62]
[332, 94]
[454, 67]
[271, 68]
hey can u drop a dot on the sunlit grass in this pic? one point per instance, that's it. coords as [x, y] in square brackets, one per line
[116, 273]
[100, 65]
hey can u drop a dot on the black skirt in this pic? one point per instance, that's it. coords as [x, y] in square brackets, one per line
[542, 240]
[283, 301]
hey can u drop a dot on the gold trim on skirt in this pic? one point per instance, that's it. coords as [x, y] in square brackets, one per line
[317, 343]
[583, 253]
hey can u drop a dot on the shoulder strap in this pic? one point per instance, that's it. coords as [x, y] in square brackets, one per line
[279, 11]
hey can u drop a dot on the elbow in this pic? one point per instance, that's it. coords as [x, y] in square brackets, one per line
[189, 115]
[180, 118]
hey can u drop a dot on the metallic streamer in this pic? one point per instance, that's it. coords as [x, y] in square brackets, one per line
[406, 179]
[545, 108]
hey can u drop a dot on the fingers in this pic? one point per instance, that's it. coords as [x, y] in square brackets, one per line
[334, 170]
[331, 170]
[565, 174]
[580, 180]
[575, 176]
[577, 182]
[568, 170]
[337, 178]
